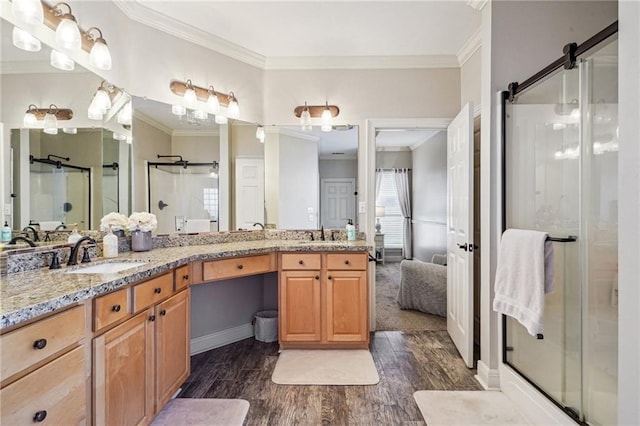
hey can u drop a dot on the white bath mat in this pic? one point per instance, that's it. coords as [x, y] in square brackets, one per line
[325, 367]
[440, 408]
[191, 411]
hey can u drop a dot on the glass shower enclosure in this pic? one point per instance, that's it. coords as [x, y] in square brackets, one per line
[184, 196]
[560, 177]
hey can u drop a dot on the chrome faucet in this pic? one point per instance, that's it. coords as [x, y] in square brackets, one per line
[73, 256]
[21, 238]
[35, 232]
[259, 224]
[61, 226]
[322, 232]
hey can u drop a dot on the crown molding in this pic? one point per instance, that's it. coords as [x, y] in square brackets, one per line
[135, 11]
[393, 148]
[299, 135]
[360, 62]
[35, 67]
[470, 47]
[153, 123]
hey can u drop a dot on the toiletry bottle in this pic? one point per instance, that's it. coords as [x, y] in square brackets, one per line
[5, 236]
[74, 236]
[351, 230]
[110, 245]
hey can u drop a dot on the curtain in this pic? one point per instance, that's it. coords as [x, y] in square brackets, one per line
[404, 197]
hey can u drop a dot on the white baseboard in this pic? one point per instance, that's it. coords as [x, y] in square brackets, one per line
[221, 338]
[488, 378]
[535, 406]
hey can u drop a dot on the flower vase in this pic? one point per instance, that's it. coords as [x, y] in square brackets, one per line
[119, 233]
[141, 241]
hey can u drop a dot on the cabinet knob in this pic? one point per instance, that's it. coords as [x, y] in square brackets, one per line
[152, 318]
[40, 344]
[301, 262]
[317, 277]
[163, 312]
[116, 308]
[240, 266]
[346, 262]
[40, 416]
[329, 277]
[157, 290]
[185, 277]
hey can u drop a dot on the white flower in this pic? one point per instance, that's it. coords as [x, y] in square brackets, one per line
[114, 220]
[142, 221]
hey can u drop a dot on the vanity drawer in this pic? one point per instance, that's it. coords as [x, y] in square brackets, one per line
[347, 261]
[238, 267]
[111, 308]
[300, 261]
[152, 291]
[33, 343]
[55, 393]
[183, 277]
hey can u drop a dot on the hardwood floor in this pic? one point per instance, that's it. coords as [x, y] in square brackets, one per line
[406, 362]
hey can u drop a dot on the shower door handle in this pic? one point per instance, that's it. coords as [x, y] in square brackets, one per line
[462, 246]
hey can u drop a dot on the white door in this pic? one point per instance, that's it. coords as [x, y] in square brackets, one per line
[460, 232]
[249, 192]
[337, 202]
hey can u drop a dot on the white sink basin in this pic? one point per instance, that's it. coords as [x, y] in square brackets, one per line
[106, 268]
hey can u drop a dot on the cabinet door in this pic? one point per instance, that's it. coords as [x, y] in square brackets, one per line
[346, 306]
[123, 373]
[172, 346]
[299, 306]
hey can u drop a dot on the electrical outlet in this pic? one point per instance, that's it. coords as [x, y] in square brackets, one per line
[7, 208]
[311, 218]
[362, 207]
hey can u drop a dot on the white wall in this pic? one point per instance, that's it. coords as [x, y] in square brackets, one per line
[470, 73]
[338, 168]
[394, 159]
[430, 198]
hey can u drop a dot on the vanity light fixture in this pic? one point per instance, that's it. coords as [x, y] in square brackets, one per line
[29, 11]
[325, 112]
[191, 94]
[125, 115]
[101, 102]
[50, 125]
[260, 133]
[35, 114]
[99, 56]
[67, 31]
[70, 130]
[61, 61]
[305, 118]
[25, 41]
[119, 136]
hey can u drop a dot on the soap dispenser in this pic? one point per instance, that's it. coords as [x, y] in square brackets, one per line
[5, 236]
[351, 230]
[110, 245]
[74, 236]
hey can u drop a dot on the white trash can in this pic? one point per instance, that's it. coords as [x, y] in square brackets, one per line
[266, 326]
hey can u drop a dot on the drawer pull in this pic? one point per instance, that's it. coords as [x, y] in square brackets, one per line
[152, 318]
[185, 277]
[40, 416]
[346, 262]
[301, 262]
[240, 266]
[40, 344]
[317, 277]
[163, 312]
[329, 277]
[157, 290]
[116, 308]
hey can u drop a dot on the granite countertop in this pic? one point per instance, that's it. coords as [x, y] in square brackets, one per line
[27, 295]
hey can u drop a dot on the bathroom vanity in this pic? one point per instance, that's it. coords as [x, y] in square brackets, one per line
[71, 343]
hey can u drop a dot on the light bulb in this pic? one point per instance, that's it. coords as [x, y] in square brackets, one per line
[29, 11]
[25, 41]
[30, 120]
[326, 120]
[70, 130]
[233, 109]
[61, 61]
[68, 33]
[50, 124]
[260, 134]
[305, 118]
[189, 99]
[213, 104]
[178, 110]
[100, 57]
[102, 101]
[125, 115]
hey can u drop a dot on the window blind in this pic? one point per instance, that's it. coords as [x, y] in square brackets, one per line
[391, 222]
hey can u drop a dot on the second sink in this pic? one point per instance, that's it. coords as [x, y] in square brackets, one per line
[106, 268]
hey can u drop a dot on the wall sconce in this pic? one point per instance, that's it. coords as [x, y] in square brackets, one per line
[67, 31]
[191, 94]
[25, 41]
[325, 112]
[50, 117]
[125, 115]
[260, 133]
[61, 61]
[99, 55]
[101, 102]
[29, 11]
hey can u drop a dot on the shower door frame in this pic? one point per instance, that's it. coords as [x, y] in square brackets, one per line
[569, 61]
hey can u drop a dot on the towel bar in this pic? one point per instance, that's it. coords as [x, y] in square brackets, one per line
[568, 239]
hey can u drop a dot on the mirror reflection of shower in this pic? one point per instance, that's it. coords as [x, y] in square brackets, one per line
[183, 195]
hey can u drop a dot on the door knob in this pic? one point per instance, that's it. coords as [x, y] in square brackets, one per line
[462, 246]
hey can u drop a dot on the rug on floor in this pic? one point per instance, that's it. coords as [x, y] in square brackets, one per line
[389, 316]
[325, 367]
[189, 411]
[467, 408]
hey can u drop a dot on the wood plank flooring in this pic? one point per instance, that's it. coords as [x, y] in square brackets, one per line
[406, 362]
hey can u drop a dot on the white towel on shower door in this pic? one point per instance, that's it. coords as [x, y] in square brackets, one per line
[524, 275]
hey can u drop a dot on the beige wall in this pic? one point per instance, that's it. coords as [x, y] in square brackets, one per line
[470, 79]
[393, 159]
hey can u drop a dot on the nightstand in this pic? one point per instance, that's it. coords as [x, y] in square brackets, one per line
[379, 244]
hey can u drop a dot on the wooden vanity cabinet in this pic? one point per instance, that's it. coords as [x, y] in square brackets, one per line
[323, 300]
[140, 363]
